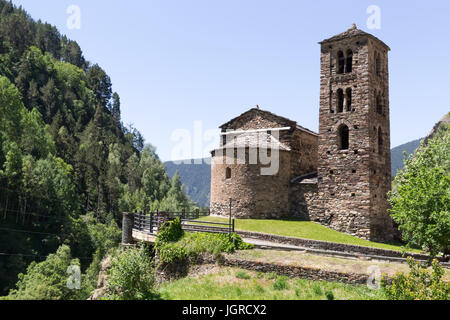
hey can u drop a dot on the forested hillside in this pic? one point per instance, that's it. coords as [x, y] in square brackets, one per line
[397, 154]
[195, 177]
[68, 165]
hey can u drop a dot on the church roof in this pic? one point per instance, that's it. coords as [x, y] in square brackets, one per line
[255, 140]
[266, 113]
[352, 32]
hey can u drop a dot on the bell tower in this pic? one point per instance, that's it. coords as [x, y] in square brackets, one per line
[354, 166]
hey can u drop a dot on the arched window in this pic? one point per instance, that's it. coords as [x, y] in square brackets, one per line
[341, 62]
[343, 137]
[377, 64]
[228, 173]
[348, 94]
[380, 141]
[379, 104]
[340, 100]
[349, 62]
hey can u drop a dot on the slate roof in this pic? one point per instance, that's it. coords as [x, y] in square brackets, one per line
[268, 113]
[255, 140]
[352, 32]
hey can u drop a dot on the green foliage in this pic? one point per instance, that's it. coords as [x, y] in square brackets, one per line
[47, 280]
[170, 232]
[419, 284]
[64, 151]
[242, 275]
[421, 199]
[191, 245]
[329, 295]
[281, 283]
[131, 276]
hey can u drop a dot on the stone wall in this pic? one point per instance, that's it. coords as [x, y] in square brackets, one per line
[254, 195]
[304, 202]
[325, 245]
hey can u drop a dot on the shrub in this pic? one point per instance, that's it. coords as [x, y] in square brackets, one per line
[242, 275]
[170, 232]
[329, 295]
[191, 245]
[281, 283]
[419, 284]
[131, 276]
[317, 290]
[47, 280]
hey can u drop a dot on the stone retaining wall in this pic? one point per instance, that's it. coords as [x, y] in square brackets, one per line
[324, 245]
[293, 271]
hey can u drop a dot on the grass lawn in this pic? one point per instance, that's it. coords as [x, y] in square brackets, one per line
[302, 229]
[222, 283]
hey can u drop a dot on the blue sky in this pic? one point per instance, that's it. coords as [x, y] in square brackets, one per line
[177, 62]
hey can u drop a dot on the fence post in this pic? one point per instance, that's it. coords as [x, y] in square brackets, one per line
[183, 214]
[127, 229]
[151, 222]
[197, 213]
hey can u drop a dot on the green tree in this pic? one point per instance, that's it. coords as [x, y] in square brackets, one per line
[47, 280]
[132, 276]
[421, 198]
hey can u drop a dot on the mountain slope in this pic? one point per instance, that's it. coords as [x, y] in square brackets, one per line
[397, 154]
[196, 179]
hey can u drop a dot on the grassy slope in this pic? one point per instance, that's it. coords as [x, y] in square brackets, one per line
[227, 284]
[302, 229]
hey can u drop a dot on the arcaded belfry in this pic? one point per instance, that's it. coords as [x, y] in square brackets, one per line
[339, 177]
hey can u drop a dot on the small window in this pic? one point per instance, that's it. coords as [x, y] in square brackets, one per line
[341, 62]
[377, 65]
[340, 101]
[380, 141]
[349, 62]
[343, 137]
[348, 94]
[379, 103]
[228, 173]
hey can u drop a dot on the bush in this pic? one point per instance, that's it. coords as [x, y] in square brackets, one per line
[317, 290]
[419, 284]
[131, 276]
[242, 275]
[281, 283]
[47, 280]
[329, 295]
[191, 245]
[170, 232]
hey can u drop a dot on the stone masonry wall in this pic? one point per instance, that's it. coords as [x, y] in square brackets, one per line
[254, 195]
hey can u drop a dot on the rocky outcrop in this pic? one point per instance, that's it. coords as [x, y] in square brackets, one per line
[102, 282]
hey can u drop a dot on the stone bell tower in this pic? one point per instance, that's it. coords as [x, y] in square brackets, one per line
[354, 166]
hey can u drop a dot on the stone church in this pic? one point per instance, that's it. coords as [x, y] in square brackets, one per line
[339, 176]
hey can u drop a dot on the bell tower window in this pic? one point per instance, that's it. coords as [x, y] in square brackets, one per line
[341, 62]
[348, 94]
[349, 62]
[343, 137]
[340, 100]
